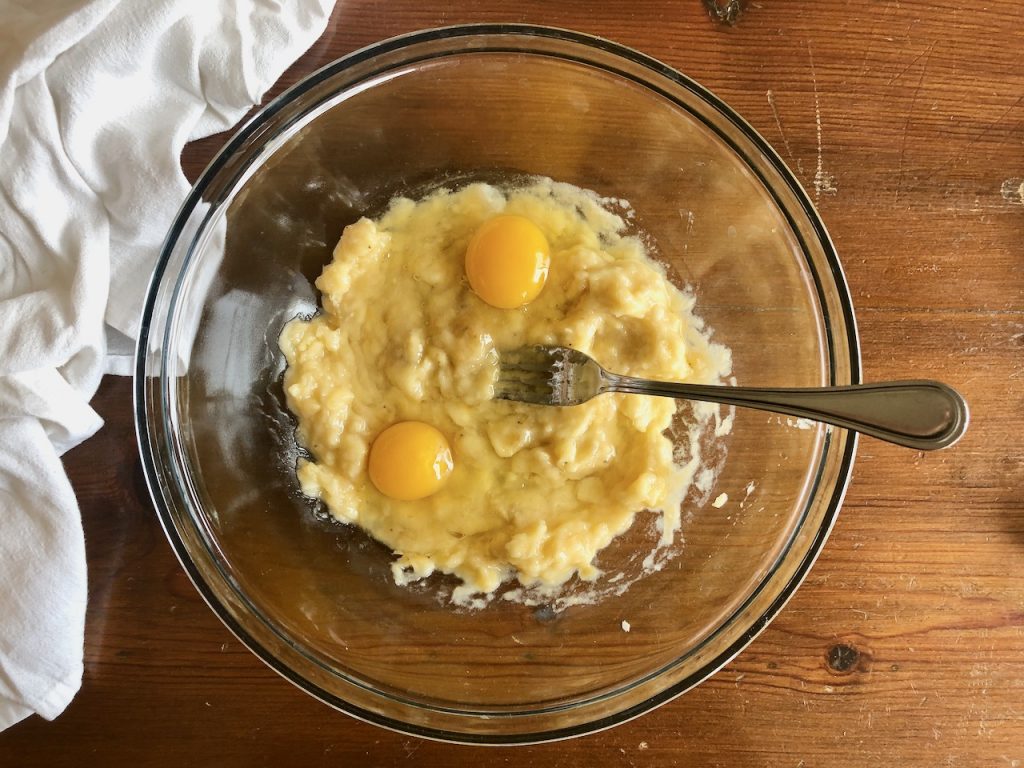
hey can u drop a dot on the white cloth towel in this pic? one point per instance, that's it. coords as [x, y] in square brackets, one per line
[97, 99]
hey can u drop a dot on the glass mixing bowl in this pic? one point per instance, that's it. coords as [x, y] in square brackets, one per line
[315, 599]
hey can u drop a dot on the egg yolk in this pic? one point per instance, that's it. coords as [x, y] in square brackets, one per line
[410, 460]
[507, 261]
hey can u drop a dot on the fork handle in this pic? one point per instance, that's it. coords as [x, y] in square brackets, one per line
[917, 414]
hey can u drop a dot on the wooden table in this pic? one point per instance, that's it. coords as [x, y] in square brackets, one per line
[905, 646]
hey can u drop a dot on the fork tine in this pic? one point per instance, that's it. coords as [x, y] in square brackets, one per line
[541, 375]
[525, 367]
[534, 395]
[526, 359]
[525, 376]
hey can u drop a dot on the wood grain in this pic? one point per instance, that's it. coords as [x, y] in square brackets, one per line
[906, 644]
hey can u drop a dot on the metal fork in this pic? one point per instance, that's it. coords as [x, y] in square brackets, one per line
[917, 414]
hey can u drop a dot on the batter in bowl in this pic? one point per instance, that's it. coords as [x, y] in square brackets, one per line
[529, 493]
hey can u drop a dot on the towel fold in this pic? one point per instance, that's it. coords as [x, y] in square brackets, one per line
[97, 100]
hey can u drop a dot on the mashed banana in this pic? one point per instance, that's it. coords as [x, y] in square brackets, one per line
[536, 492]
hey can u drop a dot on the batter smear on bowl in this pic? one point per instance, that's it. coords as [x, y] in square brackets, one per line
[529, 493]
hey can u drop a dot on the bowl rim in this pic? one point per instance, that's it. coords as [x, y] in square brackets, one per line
[253, 125]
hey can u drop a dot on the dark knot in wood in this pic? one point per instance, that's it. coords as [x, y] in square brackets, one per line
[726, 11]
[842, 658]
